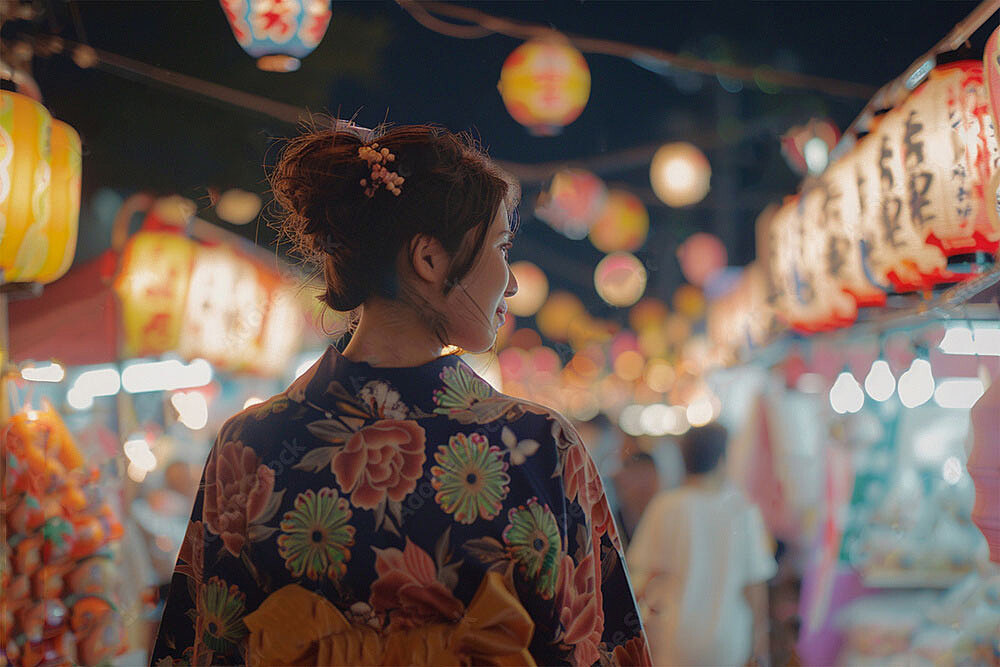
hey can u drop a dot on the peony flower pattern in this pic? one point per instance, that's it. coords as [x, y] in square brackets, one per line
[408, 589]
[533, 540]
[579, 602]
[237, 490]
[221, 609]
[316, 535]
[470, 478]
[381, 461]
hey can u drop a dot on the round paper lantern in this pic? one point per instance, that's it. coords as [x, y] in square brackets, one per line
[680, 174]
[620, 279]
[701, 256]
[39, 191]
[572, 202]
[64, 194]
[555, 316]
[622, 225]
[278, 33]
[532, 289]
[545, 85]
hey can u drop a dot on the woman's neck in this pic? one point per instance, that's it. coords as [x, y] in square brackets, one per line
[392, 335]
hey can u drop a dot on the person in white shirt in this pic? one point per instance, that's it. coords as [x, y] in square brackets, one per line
[699, 561]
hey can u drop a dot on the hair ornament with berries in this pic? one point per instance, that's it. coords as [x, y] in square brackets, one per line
[380, 176]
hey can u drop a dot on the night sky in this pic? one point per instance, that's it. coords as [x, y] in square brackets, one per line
[377, 62]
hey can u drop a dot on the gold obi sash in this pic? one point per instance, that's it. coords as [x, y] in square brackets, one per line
[295, 626]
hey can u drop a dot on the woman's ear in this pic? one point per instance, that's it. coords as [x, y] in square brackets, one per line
[428, 259]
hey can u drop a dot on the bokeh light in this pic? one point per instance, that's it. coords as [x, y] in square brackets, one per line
[532, 289]
[623, 224]
[620, 279]
[680, 174]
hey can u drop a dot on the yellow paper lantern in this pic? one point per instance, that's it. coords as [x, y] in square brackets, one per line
[65, 202]
[559, 311]
[25, 175]
[622, 225]
[620, 279]
[532, 289]
[545, 85]
[153, 287]
[680, 174]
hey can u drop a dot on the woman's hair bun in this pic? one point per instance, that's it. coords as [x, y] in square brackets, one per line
[450, 188]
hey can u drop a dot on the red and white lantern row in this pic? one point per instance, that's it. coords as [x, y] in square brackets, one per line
[890, 213]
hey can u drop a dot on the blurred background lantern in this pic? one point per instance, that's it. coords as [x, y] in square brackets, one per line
[532, 289]
[622, 225]
[620, 279]
[39, 191]
[680, 174]
[689, 301]
[554, 318]
[203, 300]
[278, 33]
[545, 85]
[238, 207]
[807, 147]
[572, 202]
[650, 312]
[701, 256]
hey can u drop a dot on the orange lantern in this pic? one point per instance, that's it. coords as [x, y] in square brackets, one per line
[622, 225]
[532, 289]
[689, 301]
[620, 279]
[39, 191]
[650, 312]
[572, 202]
[545, 85]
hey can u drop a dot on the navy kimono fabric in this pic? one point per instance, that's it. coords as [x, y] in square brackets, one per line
[383, 515]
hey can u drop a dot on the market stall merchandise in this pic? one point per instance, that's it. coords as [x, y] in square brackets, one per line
[57, 558]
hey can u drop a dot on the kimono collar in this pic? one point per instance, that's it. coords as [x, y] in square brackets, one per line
[415, 383]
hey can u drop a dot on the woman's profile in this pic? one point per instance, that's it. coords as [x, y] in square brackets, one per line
[390, 507]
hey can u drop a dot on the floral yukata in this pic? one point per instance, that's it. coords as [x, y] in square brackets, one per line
[385, 516]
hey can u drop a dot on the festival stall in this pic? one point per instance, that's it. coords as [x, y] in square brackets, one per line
[869, 322]
[144, 350]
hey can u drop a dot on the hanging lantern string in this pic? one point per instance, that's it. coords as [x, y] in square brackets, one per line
[140, 71]
[638, 54]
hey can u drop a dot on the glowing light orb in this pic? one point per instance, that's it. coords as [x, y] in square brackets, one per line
[532, 289]
[555, 316]
[623, 224]
[846, 395]
[879, 383]
[620, 279]
[545, 85]
[916, 384]
[650, 312]
[689, 301]
[701, 256]
[572, 202]
[238, 207]
[680, 174]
